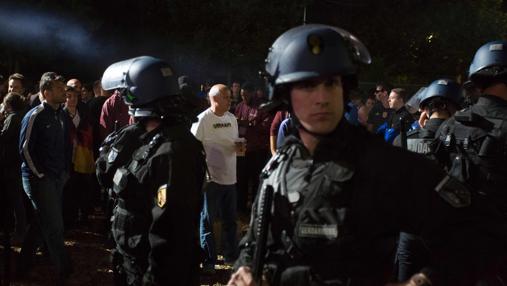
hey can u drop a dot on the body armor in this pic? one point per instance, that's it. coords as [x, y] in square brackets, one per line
[309, 218]
[476, 143]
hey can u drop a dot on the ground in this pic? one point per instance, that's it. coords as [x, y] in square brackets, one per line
[91, 258]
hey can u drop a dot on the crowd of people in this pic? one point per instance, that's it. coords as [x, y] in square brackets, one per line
[348, 204]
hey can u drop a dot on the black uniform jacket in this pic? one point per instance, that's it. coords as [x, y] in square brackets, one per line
[174, 233]
[335, 210]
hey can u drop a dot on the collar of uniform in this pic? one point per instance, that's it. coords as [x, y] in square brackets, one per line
[168, 131]
[487, 99]
[332, 147]
[175, 131]
[148, 135]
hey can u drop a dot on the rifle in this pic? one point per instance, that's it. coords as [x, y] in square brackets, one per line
[261, 231]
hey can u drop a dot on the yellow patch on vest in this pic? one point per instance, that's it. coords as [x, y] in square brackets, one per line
[161, 195]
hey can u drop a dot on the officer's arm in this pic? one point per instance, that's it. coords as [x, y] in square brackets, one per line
[173, 235]
[198, 130]
[456, 232]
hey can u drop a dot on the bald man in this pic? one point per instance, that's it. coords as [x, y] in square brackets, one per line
[217, 129]
[76, 85]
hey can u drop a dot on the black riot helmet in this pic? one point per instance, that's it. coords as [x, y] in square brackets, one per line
[445, 89]
[144, 82]
[311, 51]
[414, 102]
[489, 65]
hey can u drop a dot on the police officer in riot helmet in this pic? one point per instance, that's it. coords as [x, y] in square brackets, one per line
[438, 102]
[329, 206]
[473, 143]
[155, 169]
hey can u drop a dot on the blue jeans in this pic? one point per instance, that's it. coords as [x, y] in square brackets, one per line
[46, 197]
[219, 201]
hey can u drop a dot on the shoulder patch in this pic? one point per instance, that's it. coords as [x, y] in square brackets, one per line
[161, 196]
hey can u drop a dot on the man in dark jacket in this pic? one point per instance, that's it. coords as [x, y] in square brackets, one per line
[44, 146]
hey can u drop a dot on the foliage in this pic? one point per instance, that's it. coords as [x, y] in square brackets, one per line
[411, 41]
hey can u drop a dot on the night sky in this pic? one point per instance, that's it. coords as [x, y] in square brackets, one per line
[228, 39]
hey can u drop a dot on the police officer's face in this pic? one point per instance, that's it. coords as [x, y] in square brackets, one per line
[318, 103]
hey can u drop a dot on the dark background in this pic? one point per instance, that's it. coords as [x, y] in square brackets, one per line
[411, 41]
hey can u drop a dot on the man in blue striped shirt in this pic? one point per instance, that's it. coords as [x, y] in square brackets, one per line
[45, 152]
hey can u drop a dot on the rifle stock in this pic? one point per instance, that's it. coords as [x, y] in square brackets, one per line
[261, 231]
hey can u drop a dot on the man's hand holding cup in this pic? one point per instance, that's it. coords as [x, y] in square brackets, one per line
[240, 145]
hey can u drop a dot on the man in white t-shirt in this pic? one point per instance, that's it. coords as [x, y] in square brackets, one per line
[217, 129]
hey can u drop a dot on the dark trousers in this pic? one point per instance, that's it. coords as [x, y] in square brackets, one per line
[14, 197]
[47, 223]
[77, 198]
[249, 169]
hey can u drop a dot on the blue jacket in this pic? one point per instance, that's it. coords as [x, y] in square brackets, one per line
[44, 142]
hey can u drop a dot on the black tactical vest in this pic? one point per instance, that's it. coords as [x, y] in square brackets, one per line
[132, 215]
[476, 145]
[116, 151]
[310, 212]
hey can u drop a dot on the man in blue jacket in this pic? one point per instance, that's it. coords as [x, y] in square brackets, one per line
[45, 152]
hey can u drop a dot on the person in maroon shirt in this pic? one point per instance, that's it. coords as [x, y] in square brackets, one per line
[114, 115]
[254, 125]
